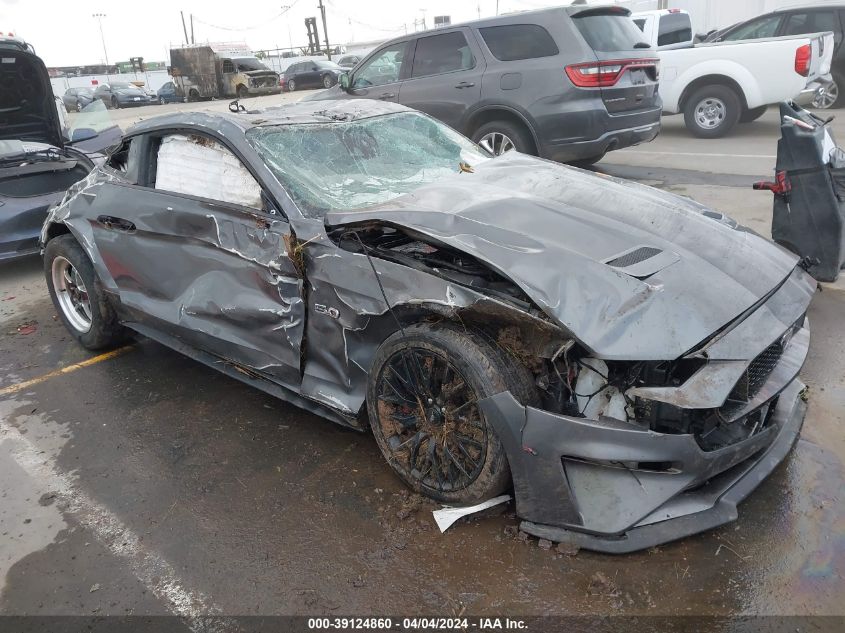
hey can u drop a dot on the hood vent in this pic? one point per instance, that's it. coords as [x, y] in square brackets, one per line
[639, 254]
[642, 261]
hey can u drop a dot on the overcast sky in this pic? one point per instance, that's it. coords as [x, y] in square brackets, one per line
[64, 32]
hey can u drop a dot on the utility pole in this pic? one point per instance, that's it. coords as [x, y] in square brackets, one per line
[99, 17]
[285, 8]
[184, 28]
[193, 41]
[322, 8]
[497, 7]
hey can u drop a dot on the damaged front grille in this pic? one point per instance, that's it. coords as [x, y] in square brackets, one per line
[634, 257]
[757, 373]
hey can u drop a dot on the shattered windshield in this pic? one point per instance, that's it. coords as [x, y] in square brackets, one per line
[351, 165]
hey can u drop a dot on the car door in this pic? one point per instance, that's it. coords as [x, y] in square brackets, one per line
[310, 75]
[198, 253]
[445, 78]
[380, 75]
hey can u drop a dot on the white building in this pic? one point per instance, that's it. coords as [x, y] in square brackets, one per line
[716, 14]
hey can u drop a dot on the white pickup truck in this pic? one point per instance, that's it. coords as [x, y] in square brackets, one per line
[719, 85]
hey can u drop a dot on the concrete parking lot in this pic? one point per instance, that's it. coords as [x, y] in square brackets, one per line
[140, 482]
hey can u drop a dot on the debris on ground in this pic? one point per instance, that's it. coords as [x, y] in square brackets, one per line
[27, 328]
[601, 585]
[94, 587]
[47, 499]
[511, 531]
[446, 516]
[567, 549]
[544, 544]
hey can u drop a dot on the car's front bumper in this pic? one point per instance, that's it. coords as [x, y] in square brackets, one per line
[615, 487]
[259, 91]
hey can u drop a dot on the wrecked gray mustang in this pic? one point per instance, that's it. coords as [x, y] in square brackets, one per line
[625, 358]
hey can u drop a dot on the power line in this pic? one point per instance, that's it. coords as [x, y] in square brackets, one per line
[250, 28]
[354, 21]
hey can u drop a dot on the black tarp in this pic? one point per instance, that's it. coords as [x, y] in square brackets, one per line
[809, 219]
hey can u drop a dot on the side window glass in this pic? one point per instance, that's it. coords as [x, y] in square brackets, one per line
[797, 24]
[228, 66]
[125, 160]
[384, 67]
[198, 166]
[519, 41]
[442, 54]
[765, 27]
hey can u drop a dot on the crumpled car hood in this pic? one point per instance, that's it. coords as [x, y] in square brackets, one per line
[549, 229]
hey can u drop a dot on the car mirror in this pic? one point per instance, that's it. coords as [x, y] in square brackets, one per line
[345, 82]
[82, 134]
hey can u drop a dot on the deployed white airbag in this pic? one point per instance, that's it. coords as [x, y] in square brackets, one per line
[198, 166]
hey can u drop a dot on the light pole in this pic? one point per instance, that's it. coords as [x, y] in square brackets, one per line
[100, 17]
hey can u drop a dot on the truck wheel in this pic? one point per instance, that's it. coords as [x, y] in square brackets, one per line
[748, 116]
[193, 95]
[830, 95]
[243, 93]
[498, 137]
[78, 296]
[422, 398]
[712, 111]
[291, 85]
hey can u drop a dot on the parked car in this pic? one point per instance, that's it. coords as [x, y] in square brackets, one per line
[75, 99]
[627, 357]
[348, 61]
[311, 74]
[568, 83]
[122, 94]
[716, 86]
[800, 20]
[167, 94]
[39, 156]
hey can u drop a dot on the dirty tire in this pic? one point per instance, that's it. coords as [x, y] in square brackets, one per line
[478, 368]
[105, 330]
[748, 116]
[723, 102]
[291, 85]
[115, 103]
[162, 101]
[243, 93]
[518, 134]
[193, 95]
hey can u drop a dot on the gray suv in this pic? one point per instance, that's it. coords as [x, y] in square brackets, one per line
[568, 83]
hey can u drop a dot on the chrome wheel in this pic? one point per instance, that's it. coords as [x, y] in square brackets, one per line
[496, 143]
[826, 96]
[327, 82]
[710, 113]
[291, 85]
[71, 294]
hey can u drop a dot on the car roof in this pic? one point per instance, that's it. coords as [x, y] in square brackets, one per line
[516, 17]
[329, 111]
[807, 7]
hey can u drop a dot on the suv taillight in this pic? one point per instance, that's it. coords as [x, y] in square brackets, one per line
[803, 56]
[606, 74]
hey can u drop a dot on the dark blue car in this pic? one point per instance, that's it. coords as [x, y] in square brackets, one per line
[167, 94]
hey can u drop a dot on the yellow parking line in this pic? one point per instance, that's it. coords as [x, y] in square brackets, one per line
[64, 370]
